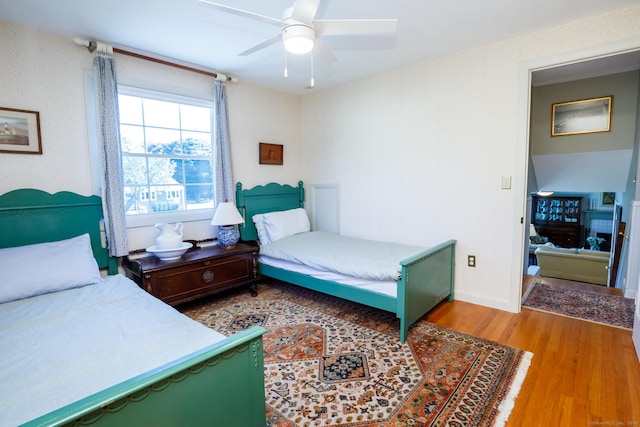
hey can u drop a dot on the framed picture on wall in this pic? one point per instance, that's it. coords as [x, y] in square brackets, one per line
[20, 131]
[580, 117]
[271, 154]
[608, 199]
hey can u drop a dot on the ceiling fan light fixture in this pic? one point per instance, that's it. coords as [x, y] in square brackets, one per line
[298, 38]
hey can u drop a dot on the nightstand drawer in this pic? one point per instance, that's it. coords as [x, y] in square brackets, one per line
[181, 282]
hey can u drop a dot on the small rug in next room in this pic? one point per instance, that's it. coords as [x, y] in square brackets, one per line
[595, 307]
[332, 363]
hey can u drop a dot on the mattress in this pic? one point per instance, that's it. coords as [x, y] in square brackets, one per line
[346, 255]
[386, 287]
[60, 347]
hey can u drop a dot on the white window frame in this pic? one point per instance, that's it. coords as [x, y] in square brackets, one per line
[149, 219]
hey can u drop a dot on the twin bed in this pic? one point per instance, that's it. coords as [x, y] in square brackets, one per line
[82, 349]
[358, 270]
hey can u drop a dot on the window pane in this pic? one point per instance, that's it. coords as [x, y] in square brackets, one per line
[135, 170]
[196, 143]
[165, 170]
[167, 198]
[195, 118]
[163, 141]
[198, 171]
[136, 200]
[199, 196]
[132, 139]
[130, 109]
[161, 114]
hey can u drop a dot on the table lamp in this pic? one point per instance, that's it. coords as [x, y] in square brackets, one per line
[226, 218]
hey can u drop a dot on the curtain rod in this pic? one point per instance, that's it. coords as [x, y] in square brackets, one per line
[92, 45]
[217, 76]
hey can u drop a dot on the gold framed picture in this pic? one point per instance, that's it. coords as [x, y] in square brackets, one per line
[20, 131]
[271, 154]
[608, 199]
[580, 117]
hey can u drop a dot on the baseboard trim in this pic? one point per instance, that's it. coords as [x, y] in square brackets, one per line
[498, 304]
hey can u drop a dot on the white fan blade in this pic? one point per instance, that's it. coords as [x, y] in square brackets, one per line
[322, 51]
[244, 13]
[273, 40]
[331, 27]
[305, 10]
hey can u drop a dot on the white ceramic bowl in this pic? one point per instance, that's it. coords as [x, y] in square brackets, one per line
[170, 254]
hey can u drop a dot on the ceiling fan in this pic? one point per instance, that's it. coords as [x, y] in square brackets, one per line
[300, 31]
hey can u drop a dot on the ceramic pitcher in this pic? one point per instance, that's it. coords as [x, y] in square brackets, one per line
[170, 237]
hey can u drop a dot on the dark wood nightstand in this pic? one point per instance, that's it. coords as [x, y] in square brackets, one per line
[200, 272]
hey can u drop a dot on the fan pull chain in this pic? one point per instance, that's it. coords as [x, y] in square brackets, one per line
[312, 82]
[286, 73]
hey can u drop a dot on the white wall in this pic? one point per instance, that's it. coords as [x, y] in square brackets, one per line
[419, 152]
[46, 73]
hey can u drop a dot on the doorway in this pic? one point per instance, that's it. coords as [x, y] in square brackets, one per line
[616, 57]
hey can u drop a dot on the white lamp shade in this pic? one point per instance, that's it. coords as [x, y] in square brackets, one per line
[226, 214]
[532, 230]
[298, 39]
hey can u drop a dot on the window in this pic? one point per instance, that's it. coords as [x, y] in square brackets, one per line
[166, 151]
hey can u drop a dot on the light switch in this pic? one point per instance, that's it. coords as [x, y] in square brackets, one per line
[506, 182]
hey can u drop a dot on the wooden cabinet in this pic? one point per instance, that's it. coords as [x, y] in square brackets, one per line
[200, 272]
[558, 219]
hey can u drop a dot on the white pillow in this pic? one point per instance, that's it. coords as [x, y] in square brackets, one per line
[258, 220]
[279, 225]
[31, 270]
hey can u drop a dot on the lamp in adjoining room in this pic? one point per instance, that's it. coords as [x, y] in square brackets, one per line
[226, 218]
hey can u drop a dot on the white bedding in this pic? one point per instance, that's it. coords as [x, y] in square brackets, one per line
[386, 287]
[60, 347]
[350, 256]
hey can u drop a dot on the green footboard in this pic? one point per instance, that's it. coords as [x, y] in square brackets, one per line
[427, 279]
[222, 385]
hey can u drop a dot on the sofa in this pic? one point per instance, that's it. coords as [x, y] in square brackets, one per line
[582, 265]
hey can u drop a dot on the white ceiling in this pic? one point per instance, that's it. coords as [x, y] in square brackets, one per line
[192, 33]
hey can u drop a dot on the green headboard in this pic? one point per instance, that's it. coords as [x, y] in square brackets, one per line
[265, 198]
[29, 216]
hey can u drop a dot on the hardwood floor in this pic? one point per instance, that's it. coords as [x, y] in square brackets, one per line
[581, 374]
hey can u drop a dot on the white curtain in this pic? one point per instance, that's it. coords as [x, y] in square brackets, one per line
[223, 180]
[106, 89]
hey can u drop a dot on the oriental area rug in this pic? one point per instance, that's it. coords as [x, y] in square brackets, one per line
[612, 310]
[330, 362]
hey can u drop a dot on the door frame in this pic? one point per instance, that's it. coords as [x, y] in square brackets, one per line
[522, 149]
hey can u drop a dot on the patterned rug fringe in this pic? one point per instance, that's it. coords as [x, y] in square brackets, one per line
[506, 406]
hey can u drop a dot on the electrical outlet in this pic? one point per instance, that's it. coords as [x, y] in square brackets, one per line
[471, 260]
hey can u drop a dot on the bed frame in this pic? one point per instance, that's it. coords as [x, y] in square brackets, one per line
[221, 385]
[426, 279]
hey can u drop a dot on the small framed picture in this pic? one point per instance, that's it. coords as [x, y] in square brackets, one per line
[20, 131]
[584, 116]
[608, 199]
[271, 154]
